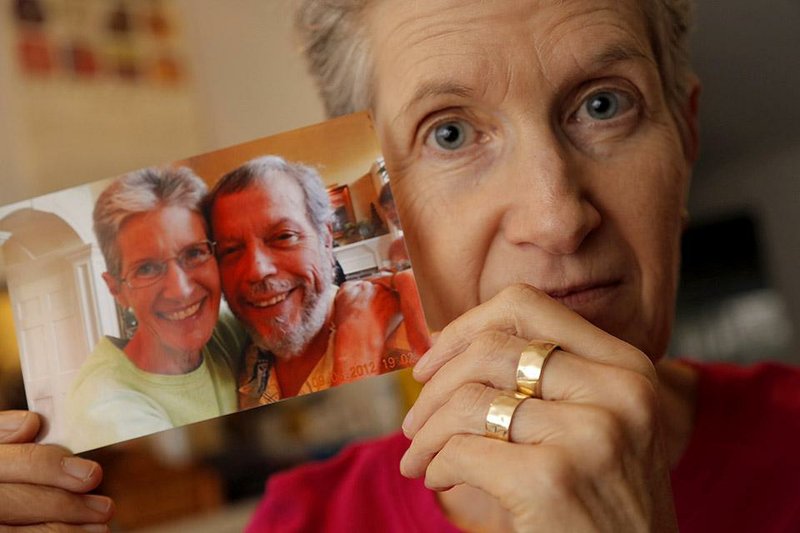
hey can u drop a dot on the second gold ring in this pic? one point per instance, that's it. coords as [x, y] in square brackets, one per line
[501, 412]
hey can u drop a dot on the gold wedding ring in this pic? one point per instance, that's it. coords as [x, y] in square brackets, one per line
[501, 411]
[531, 365]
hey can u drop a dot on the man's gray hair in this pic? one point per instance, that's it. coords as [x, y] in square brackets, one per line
[140, 192]
[333, 33]
[317, 203]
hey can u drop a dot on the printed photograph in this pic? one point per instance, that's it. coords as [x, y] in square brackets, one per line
[178, 293]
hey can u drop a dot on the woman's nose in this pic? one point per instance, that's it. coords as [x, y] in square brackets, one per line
[177, 282]
[547, 204]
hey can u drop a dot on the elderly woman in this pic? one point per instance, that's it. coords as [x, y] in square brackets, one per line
[540, 152]
[176, 368]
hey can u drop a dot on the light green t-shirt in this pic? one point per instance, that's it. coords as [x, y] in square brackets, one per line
[113, 400]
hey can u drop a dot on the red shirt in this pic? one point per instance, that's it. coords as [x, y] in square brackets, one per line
[741, 470]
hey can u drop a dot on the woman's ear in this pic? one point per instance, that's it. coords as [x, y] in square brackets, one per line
[115, 288]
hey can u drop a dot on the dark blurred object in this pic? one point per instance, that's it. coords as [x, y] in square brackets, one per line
[12, 390]
[339, 276]
[379, 226]
[727, 308]
[29, 11]
[720, 258]
[119, 21]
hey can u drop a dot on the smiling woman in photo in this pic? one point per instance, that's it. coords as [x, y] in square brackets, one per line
[176, 368]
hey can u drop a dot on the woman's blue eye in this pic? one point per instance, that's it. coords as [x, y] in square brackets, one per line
[147, 270]
[602, 106]
[450, 135]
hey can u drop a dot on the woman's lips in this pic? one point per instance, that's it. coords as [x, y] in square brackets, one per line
[579, 295]
[182, 314]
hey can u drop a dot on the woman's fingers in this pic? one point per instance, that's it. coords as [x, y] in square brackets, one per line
[22, 504]
[570, 425]
[492, 361]
[41, 486]
[545, 487]
[18, 426]
[21, 461]
[526, 312]
[533, 482]
[47, 465]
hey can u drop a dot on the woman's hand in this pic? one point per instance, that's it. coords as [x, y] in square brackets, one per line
[588, 456]
[45, 485]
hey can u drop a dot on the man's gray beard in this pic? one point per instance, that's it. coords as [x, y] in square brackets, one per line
[287, 341]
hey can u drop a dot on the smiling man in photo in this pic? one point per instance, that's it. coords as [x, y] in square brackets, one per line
[272, 223]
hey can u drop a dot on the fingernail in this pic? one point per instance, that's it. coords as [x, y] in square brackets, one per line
[78, 468]
[101, 504]
[435, 336]
[95, 528]
[422, 363]
[11, 421]
[407, 421]
[403, 465]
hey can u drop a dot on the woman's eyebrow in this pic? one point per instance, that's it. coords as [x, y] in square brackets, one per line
[616, 53]
[609, 55]
[434, 88]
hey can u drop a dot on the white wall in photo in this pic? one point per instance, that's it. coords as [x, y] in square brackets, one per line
[52, 268]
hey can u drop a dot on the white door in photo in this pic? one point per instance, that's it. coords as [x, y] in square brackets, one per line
[51, 336]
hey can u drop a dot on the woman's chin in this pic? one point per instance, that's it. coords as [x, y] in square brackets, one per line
[185, 344]
[187, 337]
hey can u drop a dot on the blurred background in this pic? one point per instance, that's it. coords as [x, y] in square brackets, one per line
[93, 88]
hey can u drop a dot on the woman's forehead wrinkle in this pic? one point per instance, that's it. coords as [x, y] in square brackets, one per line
[590, 38]
[432, 33]
[424, 49]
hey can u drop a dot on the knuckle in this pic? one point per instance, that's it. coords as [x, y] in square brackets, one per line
[28, 455]
[442, 470]
[455, 449]
[642, 365]
[518, 292]
[488, 345]
[468, 398]
[512, 303]
[606, 440]
[557, 475]
[32, 504]
[639, 401]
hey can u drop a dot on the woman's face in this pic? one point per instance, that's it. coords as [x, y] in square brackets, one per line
[531, 142]
[180, 309]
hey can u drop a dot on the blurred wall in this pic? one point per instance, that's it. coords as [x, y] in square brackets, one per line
[251, 82]
[246, 81]
[750, 142]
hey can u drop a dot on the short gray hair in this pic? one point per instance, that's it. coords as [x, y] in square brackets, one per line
[140, 192]
[333, 33]
[252, 173]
